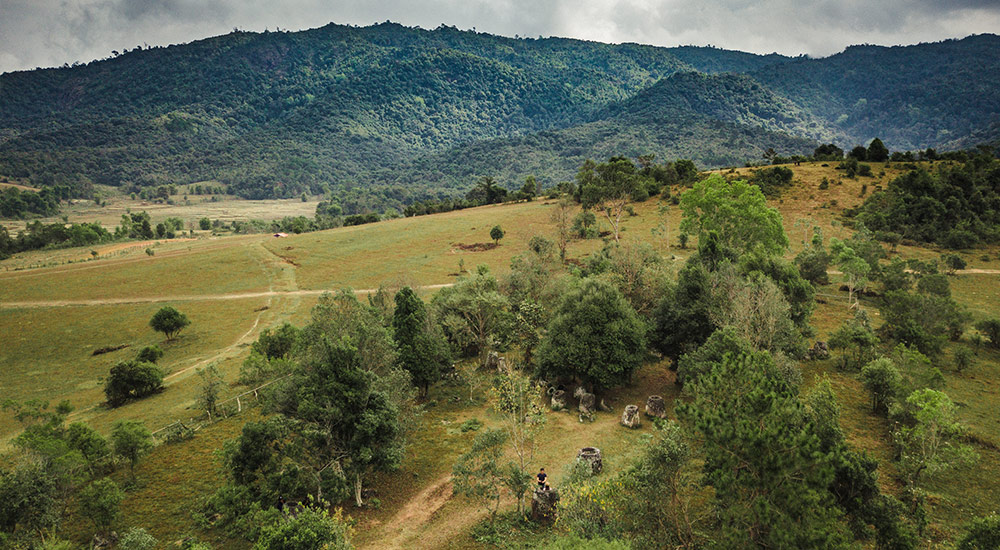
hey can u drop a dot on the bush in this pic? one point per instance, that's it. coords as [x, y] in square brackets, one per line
[958, 239]
[149, 354]
[991, 329]
[963, 359]
[132, 380]
[984, 534]
[137, 538]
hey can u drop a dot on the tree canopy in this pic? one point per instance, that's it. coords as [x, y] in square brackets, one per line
[737, 211]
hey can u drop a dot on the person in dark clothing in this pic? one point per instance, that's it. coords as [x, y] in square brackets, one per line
[541, 478]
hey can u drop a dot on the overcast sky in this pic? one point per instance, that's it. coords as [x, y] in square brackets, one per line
[52, 32]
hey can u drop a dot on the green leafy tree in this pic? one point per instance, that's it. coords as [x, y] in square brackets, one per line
[30, 500]
[92, 445]
[953, 262]
[343, 426]
[983, 534]
[100, 502]
[211, 387]
[478, 474]
[883, 381]
[877, 151]
[594, 334]
[514, 397]
[169, 321]
[770, 475]
[737, 211]
[608, 188]
[423, 352]
[991, 329]
[933, 443]
[858, 340]
[853, 266]
[475, 315]
[496, 234]
[132, 380]
[131, 440]
[313, 528]
[149, 354]
[814, 261]
[205, 224]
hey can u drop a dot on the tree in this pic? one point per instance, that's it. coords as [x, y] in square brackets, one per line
[853, 266]
[205, 224]
[100, 502]
[932, 444]
[312, 528]
[496, 234]
[608, 188]
[813, 261]
[877, 151]
[858, 153]
[149, 354]
[132, 380]
[131, 440]
[594, 334]
[953, 262]
[770, 475]
[561, 216]
[478, 475]
[343, 426]
[169, 321]
[92, 445]
[29, 499]
[983, 534]
[737, 211]
[856, 337]
[514, 397]
[422, 351]
[474, 314]
[881, 378]
[211, 387]
[991, 329]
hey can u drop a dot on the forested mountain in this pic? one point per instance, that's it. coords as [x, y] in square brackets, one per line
[404, 113]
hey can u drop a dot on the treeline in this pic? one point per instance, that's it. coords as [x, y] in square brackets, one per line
[955, 205]
[38, 235]
[19, 204]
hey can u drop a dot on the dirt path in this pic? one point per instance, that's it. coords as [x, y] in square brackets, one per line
[413, 517]
[188, 297]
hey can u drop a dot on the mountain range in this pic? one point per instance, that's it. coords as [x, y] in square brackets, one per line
[391, 114]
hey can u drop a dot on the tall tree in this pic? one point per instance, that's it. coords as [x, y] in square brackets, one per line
[422, 351]
[594, 334]
[763, 459]
[341, 423]
[608, 188]
[737, 211]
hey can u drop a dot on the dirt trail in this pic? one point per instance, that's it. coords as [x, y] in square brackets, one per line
[187, 297]
[411, 526]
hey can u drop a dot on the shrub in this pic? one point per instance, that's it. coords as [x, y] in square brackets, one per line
[963, 359]
[984, 534]
[958, 239]
[991, 329]
[149, 354]
[132, 380]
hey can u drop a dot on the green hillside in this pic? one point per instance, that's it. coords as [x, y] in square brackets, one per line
[400, 114]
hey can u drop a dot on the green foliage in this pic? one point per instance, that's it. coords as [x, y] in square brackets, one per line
[496, 234]
[595, 335]
[573, 542]
[56, 235]
[584, 225]
[983, 534]
[856, 337]
[951, 206]
[169, 321]
[881, 378]
[991, 329]
[310, 529]
[100, 503]
[278, 344]
[608, 188]
[953, 262]
[964, 358]
[922, 320]
[131, 440]
[132, 380]
[772, 180]
[342, 425]
[149, 354]
[478, 474]
[877, 151]
[931, 444]
[137, 538]
[735, 210]
[682, 318]
[91, 444]
[636, 269]
[767, 468]
[474, 315]
[211, 387]
[29, 500]
[421, 349]
[814, 261]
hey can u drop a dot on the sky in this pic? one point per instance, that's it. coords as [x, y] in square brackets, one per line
[45, 33]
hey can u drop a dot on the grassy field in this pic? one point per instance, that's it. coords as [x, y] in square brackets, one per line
[233, 287]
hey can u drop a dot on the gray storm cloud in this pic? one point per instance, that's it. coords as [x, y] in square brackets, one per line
[52, 32]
